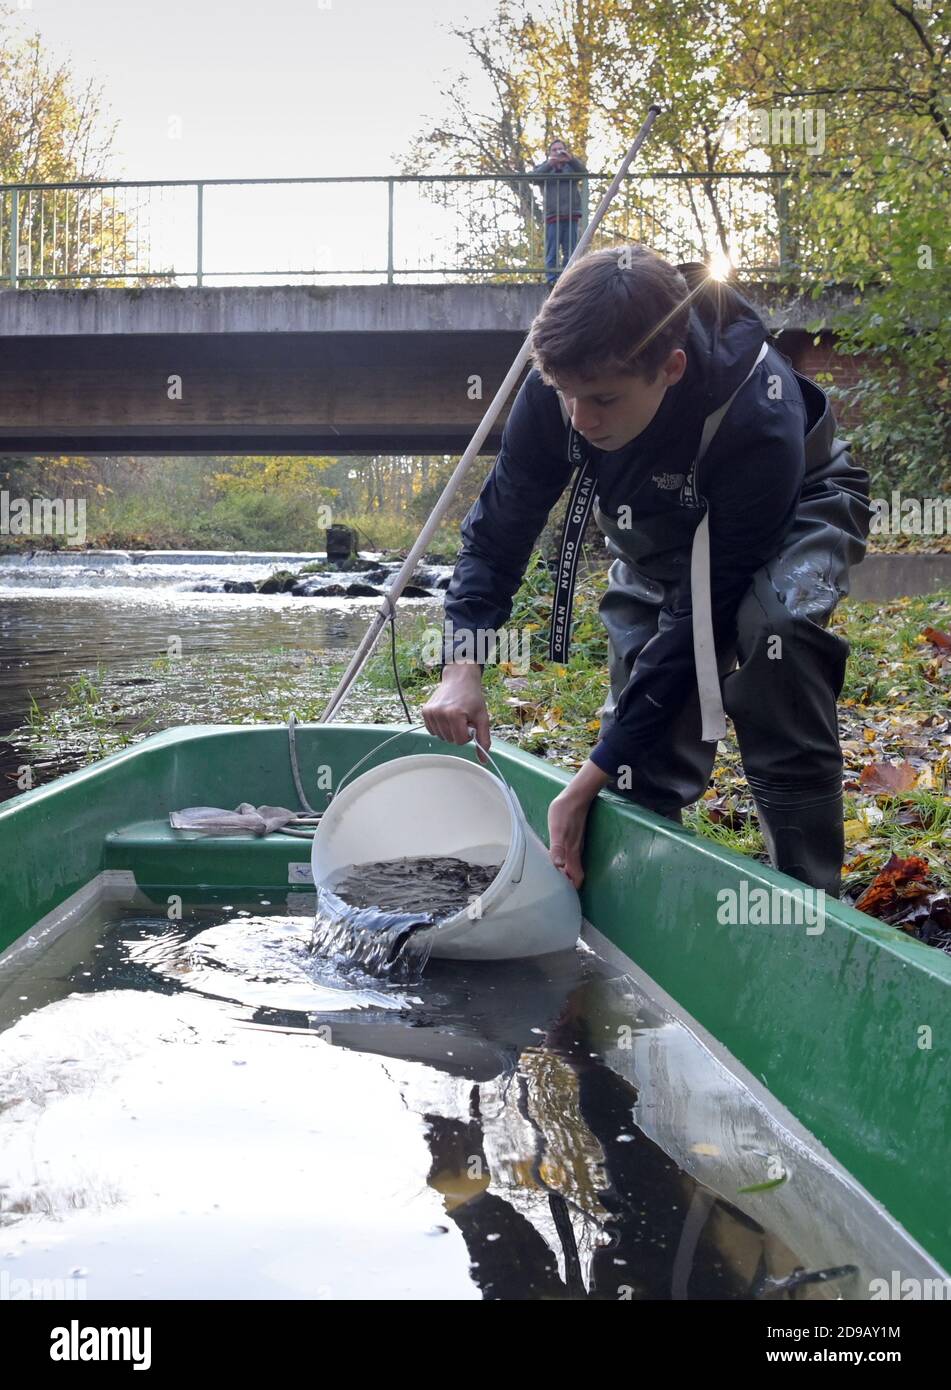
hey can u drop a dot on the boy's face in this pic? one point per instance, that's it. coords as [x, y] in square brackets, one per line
[611, 410]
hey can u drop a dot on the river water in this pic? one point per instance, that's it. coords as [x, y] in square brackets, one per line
[113, 619]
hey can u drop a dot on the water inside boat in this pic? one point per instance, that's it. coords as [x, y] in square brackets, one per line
[195, 1105]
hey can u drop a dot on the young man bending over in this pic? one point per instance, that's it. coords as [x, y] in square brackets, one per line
[731, 614]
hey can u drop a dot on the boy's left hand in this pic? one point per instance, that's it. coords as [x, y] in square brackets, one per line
[567, 818]
[566, 825]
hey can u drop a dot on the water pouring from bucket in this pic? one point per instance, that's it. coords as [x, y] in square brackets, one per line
[443, 806]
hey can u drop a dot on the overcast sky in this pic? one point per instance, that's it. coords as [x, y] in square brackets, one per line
[260, 87]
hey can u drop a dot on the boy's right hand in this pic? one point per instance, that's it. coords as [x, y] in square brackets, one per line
[456, 703]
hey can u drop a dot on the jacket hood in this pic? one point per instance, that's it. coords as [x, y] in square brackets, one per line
[724, 335]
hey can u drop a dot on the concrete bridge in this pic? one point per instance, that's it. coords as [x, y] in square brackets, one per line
[291, 369]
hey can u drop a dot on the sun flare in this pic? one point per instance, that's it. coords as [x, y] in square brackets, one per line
[719, 265]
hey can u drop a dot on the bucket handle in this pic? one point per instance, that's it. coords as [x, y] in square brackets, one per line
[518, 816]
[516, 810]
[350, 771]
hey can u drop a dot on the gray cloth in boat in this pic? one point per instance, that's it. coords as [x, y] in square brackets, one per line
[214, 820]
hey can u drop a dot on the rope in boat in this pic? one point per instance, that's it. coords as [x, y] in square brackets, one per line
[298, 827]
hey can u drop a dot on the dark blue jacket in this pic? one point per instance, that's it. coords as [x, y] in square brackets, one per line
[750, 479]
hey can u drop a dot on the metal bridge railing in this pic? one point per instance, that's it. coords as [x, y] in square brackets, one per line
[419, 229]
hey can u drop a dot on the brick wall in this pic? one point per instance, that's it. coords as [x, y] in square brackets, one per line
[816, 359]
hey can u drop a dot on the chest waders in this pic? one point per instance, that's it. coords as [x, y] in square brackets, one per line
[780, 677]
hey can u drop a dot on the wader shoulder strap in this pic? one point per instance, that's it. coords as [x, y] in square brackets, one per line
[569, 550]
[576, 519]
[704, 648]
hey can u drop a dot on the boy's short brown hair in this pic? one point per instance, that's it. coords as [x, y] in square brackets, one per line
[620, 310]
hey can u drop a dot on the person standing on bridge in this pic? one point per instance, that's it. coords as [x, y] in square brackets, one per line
[562, 202]
[733, 513]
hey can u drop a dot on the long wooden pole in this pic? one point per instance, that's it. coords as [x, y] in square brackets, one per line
[475, 444]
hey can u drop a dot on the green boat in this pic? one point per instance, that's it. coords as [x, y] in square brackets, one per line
[837, 1026]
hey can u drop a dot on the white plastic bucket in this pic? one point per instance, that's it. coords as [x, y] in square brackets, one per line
[432, 804]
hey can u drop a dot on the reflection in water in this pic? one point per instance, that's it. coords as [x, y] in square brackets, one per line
[208, 1083]
[621, 1216]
